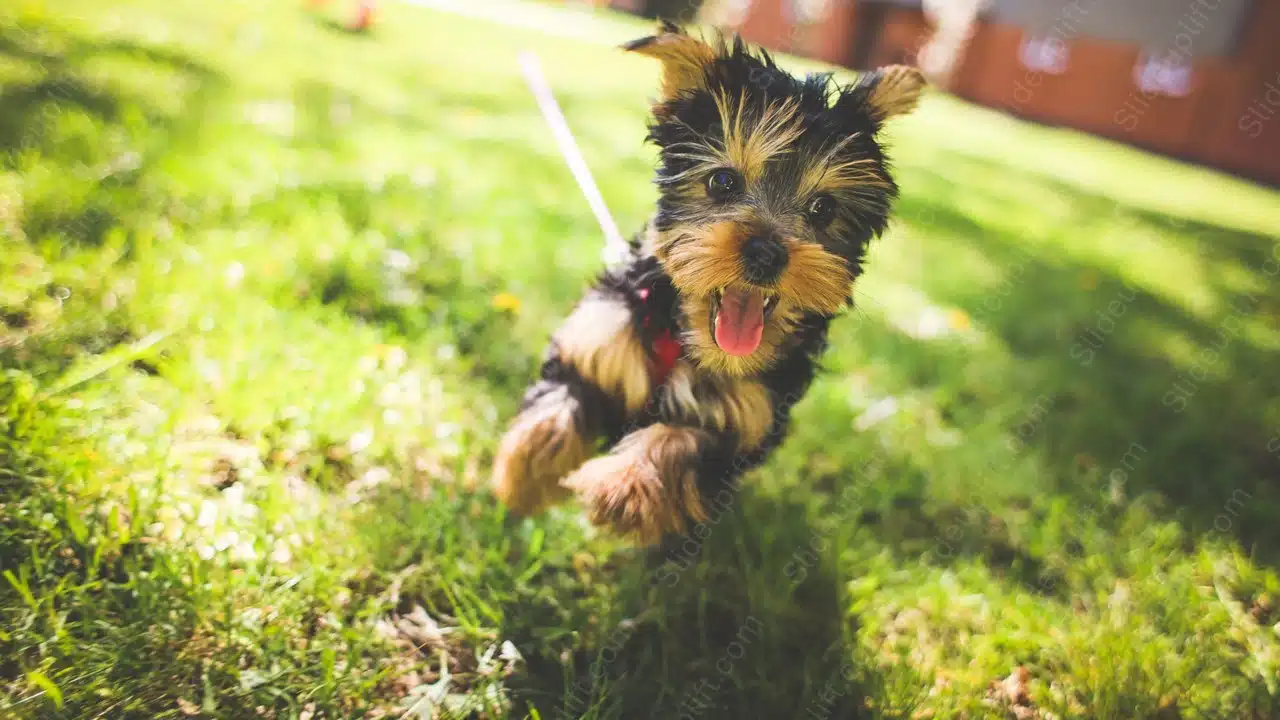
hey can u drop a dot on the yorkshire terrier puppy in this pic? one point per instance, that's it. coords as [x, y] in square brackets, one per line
[685, 361]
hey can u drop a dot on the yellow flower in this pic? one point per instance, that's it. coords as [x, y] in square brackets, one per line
[506, 301]
[958, 319]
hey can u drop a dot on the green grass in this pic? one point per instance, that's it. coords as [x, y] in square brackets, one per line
[254, 371]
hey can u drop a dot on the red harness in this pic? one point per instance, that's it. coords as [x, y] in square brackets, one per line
[665, 350]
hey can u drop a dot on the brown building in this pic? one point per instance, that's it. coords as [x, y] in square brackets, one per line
[1193, 79]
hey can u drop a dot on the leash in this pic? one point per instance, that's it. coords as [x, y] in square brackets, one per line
[616, 249]
[664, 350]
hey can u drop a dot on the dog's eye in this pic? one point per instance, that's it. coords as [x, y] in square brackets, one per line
[723, 184]
[821, 209]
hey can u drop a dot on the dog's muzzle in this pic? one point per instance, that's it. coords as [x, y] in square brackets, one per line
[763, 259]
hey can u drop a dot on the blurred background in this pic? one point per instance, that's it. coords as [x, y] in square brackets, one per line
[1186, 80]
[273, 276]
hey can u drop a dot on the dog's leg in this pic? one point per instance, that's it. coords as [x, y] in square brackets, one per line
[654, 482]
[647, 486]
[548, 439]
[594, 377]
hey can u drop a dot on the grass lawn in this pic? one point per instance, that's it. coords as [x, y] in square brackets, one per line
[269, 291]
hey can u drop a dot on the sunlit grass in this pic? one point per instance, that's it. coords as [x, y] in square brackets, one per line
[269, 291]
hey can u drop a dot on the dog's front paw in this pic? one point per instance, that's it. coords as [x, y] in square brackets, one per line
[645, 489]
[543, 445]
[627, 497]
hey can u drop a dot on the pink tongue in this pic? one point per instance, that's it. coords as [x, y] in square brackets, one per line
[740, 322]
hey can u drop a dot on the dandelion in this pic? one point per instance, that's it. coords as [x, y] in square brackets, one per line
[506, 301]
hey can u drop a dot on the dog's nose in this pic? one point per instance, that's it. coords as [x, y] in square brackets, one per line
[763, 259]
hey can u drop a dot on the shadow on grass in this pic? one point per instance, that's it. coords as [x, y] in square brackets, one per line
[1108, 415]
[1193, 428]
[102, 189]
[711, 628]
[748, 621]
[92, 154]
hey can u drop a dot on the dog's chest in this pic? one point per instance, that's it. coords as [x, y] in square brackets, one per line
[742, 407]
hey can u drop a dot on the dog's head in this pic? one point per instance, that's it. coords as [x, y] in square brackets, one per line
[771, 188]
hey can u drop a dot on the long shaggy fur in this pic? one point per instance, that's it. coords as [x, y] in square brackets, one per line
[748, 155]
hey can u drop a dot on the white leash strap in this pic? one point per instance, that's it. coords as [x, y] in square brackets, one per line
[615, 248]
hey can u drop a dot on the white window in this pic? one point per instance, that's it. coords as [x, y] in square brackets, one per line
[1044, 54]
[808, 12]
[727, 13]
[1164, 74]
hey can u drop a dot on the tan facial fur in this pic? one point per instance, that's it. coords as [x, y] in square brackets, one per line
[853, 181]
[747, 144]
[703, 260]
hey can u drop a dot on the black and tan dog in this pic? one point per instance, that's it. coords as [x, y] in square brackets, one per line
[685, 360]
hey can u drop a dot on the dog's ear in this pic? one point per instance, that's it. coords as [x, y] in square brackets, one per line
[684, 59]
[883, 94]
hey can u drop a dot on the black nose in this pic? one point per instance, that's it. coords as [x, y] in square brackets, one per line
[763, 259]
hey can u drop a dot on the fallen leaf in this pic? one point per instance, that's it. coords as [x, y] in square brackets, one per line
[1013, 694]
[510, 653]
[1014, 687]
[419, 627]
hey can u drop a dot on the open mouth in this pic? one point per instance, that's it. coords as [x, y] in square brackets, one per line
[738, 316]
